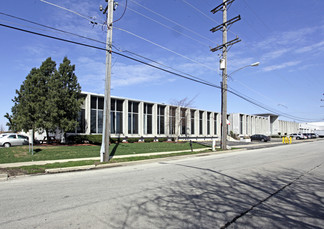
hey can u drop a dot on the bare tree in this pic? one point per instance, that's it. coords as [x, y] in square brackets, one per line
[180, 114]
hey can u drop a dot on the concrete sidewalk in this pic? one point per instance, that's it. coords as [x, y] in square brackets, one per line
[240, 146]
[4, 176]
[19, 164]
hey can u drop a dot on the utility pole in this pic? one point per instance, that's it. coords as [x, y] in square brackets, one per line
[223, 64]
[104, 151]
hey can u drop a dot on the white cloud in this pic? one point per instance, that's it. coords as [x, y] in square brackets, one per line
[133, 74]
[274, 54]
[281, 66]
[314, 47]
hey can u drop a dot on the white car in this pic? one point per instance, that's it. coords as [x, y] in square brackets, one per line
[298, 136]
[3, 134]
[13, 140]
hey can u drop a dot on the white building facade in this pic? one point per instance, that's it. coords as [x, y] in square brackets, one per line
[133, 119]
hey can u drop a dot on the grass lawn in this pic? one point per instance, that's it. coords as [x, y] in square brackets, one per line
[39, 169]
[21, 153]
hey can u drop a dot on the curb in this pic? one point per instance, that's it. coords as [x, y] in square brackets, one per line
[118, 164]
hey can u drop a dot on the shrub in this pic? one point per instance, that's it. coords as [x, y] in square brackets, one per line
[94, 139]
[76, 139]
[132, 140]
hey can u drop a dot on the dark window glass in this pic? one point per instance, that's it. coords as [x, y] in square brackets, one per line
[133, 117]
[201, 122]
[160, 119]
[208, 123]
[100, 121]
[148, 118]
[93, 102]
[101, 103]
[192, 114]
[112, 105]
[112, 123]
[93, 121]
[183, 121]
[172, 119]
[215, 124]
[81, 122]
[119, 105]
[161, 125]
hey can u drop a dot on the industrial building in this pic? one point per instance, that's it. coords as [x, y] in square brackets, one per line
[132, 118]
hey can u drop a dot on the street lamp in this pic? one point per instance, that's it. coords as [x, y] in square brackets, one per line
[250, 65]
[224, 102]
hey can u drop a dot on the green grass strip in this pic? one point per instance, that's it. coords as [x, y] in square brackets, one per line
[39, 169]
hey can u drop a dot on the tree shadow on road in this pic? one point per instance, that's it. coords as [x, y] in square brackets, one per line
[214, 199]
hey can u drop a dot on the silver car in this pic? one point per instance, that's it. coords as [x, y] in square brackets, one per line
[14, 140]
[3, 134]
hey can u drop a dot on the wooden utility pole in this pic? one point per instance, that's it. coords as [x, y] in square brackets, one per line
[104, 151]
[223, 64]
[224, 81]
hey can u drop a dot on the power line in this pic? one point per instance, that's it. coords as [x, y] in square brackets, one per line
[135, 36]
[63, 31]
[162, 69]
[74, 12]
[198, 10]
[49, 27]
[168, 27]
[172, 21]
[178, 54]
[125, 8]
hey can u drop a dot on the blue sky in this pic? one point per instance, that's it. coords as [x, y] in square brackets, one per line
[286, 36]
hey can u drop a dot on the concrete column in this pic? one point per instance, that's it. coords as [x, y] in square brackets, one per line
[125, 117]
[87, 106]
[140, 119]
[154, 119]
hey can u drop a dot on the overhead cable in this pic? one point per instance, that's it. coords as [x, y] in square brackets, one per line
[85, 17]
[168, 27]
[154, 66]
[172, 21]
[169, 50]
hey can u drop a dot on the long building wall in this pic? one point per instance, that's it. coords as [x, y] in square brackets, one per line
[134, 118]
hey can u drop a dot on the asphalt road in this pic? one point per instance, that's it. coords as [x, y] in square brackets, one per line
[278, 187]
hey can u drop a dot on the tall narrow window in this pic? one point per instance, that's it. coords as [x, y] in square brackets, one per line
[160, 119]
[133, 117]
[192, 117]
[208, 123]
[81, 121]
[241, 124]
[172, 119]
[183, 117]
[148, 118]
[96, 119]
[116, 116]
[215, 124]
[201, 113]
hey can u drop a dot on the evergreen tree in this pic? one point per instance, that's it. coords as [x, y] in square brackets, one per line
[66, 101]
[48, 99]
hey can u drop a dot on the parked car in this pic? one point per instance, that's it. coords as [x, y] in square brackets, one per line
[14, 140]
[260, 137]
[52, 139]
[310, 135]
[298, 136]
[313, 135]
[3, 134]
